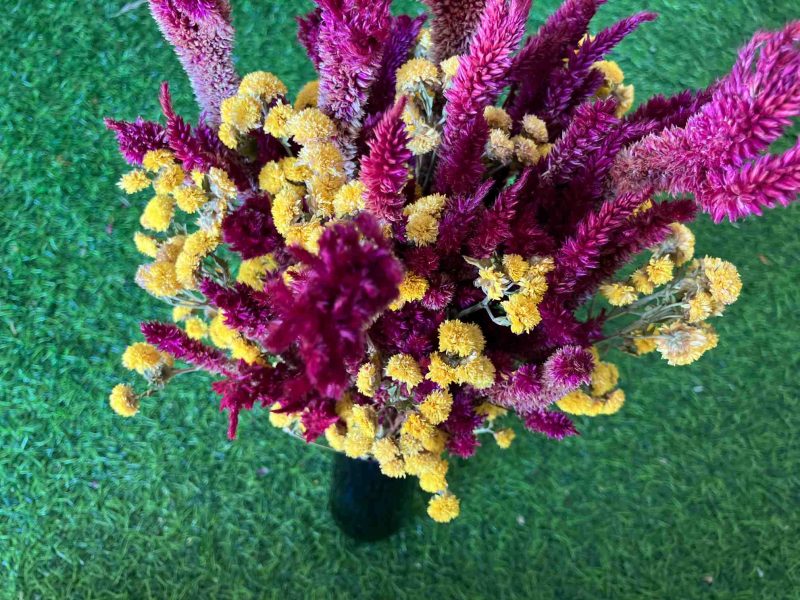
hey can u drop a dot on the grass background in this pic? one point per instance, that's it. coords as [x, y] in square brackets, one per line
[690, 492]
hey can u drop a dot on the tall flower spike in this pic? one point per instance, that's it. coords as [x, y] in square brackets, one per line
[202, 35]
[718, 156]
[454, 22]
[174, 341]
[384, 171]
[137, 138]
[482, 75]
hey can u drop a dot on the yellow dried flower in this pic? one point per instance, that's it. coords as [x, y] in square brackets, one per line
[190, 198]
[497, 118]
[515, 267]
[701, 306]
[335, 438]
[660, 270]
[305, 235]
[610, 70]
[324, 158]
[294, 171]
[280, 419]
[535, 128]
[417, 427]
[385, 450]
[492, 282]
[356, 444]
[221, 183]
[644, 345]
[154, 160]
[522, 312]
[683, 242]
[534, 286]
[253, 271]
[323, 189]
[460, 338]
[682, 344]
[417, 75]
[265, 86]
[140, 357]
[500, 146]
[393, 468]
[504, 437]
[310, 125]
[449, 67]
[420, 462]
[625, 95]
[344, 407]
[242, 112]
[436, 406]
[159, 278]
[422, 229]
[123, 400]
[349, 199]
[641, 282]
[169, 180]
[490, 411]
[145, 244]
[271, 178]
[444, 508]
[576, 403]
[307, 96]
[526, 149]
[434, 479]
[618, 294]
[241, 349]
[277, 121]
[158, 213]
[412, 288]
[429, 205]
[221, 335]
[604, 378]
[364, 418]
[439, 371]
[725, 284]
[228, 135]
[367, 379]
[134, 181]
[197, 246]
[403, 368]
[286, 207]
[479, 372]
[196, 328]
[424, 139]
[613, 403]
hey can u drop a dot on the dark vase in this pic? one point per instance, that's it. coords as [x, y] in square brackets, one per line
[367, 505]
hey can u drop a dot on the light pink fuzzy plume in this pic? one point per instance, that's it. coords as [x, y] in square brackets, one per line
[482, 75]
[384, 171]
[719, 156]
[202, 35]
[454, 22]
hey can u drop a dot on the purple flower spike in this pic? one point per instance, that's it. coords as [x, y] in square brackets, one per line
[138, 138]
[202, 35]
[570, 367]
[172, 340]
[454, 22]
[554, 425]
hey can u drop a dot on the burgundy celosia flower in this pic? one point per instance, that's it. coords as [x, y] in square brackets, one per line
[138, 138]
[335, 298]
[481, 76]
[454, 22]
[251, 384]
[202, 35]
[717, 155]
[249, 229]
[493, 226]
[462, 423]
[384, 171]
[245, 309]
[174, 341]
[553, 424]
[570, 367]
[308, 34]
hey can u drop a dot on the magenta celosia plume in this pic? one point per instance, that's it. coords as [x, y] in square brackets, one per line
[435, 236]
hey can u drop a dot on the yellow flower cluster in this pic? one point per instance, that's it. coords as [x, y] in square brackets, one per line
[422, 227]
[253, 271]
[403, 368]
[614, 86]
[123, 400]
[225, 338]
[460, 359]
[420, 80]
[600, 397]
[521, 308]
[244, 112]
[412, 288]
[527, 147]
[682, 344]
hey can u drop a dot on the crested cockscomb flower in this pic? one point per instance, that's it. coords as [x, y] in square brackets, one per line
[569, 367]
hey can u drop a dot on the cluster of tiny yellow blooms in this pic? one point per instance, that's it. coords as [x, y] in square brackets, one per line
[598, 398]
[123, 400]
[422, 226]
[614, 86]
[421, 82]
[527, 147]
[676, 251]
[459, 358]
[519, 284]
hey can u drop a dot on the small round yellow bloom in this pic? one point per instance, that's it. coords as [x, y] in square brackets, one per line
[460, 338]
[497, 118]
[363, 418]
[385, 450]
[576, 403]
[618, 294]
[504, 437]
[644, 345]
[412, 288]
[434, 479]
[134, 181]
[145, 244]
[154, 160]
[190, 198]
[604, 377]
[310, 125]
[417, 427]
[395, 468]
[253, 271]
[424, 140]
[280, 419]
[436, 443]
[479, 372]
[335, 438]
[610, 70]
[444, 508]
[682, 344]
[197, 246]
[276, 123]
[196, 328]
[367, 379]
[683, 241]
[613, 403]
[140, 357]
[123, 400]
[158, 213]
[241, 349]
[221, 335]
[436, 406]
[263, 85]
[228, 135]
[403, 368]
[417, 75]
[439, 371]
[286, 207]
[356, 444]
[660, 270]
[159, 278]
[492, 282]
[526, 149]
[422, 229]
[641, 282]
[725, 284]
[349, 199]
[323, 158]
[169, 180]
[515, 267]
[221, 183]
[522, 312]
[500, 146]
[701, 306]
[490, 411]
[242, 112]
[534, 127]
[449, 67]
[179, 313]
[307, 96]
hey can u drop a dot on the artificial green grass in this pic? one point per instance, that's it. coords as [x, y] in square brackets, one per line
[690, 492]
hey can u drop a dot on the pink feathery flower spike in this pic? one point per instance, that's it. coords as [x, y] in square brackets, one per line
[718, 156]
[202, 35]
